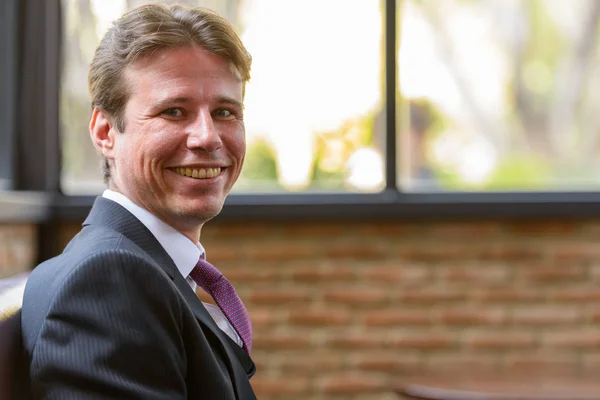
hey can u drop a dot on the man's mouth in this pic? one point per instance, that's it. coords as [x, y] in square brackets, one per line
[198, 173]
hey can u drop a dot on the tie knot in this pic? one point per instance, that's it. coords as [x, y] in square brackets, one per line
[205, 274]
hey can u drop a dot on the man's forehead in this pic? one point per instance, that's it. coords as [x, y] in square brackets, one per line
[185, 60]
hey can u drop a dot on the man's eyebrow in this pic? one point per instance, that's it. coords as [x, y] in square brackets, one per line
[231, 101]
[170, 102]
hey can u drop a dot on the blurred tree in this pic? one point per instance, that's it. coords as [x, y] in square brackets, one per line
[260, 168]
[551, 112]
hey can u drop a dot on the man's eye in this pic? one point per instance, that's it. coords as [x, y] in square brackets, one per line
[222, 113]
[173, 112]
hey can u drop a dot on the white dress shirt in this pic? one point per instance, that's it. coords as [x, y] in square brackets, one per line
[182, 250]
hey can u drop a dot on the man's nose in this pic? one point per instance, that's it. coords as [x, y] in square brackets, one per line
[203, 133]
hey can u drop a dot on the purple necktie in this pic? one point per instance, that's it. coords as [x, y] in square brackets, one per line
[214, 283]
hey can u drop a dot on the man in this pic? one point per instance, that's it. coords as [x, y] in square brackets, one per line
[116, 315]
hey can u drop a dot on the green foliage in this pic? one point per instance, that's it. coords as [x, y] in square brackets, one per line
[333, 149]
[323, 177]
[260, 163]
[520, 172]
[514, 172]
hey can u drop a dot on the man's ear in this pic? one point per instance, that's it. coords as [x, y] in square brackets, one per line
[102, 132]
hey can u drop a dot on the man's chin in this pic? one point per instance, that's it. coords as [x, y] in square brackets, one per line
[198, 214]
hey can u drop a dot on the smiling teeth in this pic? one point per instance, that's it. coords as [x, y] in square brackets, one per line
[199, 173]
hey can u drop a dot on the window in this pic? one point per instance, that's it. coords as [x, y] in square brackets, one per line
[499, 95]
[443, 107]
[315, 116]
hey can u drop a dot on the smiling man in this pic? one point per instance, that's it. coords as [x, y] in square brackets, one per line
[116, 314]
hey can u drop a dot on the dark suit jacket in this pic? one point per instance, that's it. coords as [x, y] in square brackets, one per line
[112, 317]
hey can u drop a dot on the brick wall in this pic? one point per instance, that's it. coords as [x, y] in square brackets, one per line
[17, 248]
[342, 310]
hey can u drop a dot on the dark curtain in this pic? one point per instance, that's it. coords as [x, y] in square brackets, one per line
[37, 119]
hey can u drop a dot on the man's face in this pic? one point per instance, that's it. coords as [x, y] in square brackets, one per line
[184, 141]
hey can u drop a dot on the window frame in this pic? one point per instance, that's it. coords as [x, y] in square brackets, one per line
[39, 150]
[8, 66]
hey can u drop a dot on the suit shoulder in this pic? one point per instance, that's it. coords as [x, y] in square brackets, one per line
[99, 279]
[51, 275]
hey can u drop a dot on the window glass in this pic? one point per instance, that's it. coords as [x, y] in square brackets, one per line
[314, 105]
[499, 95]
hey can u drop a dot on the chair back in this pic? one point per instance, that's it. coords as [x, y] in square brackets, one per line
[14, 375]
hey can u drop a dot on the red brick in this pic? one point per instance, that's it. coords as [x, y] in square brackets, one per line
[354, 251]
[262, 318]
[500, 340]
[470, 230]
[437, 253]
[591, 362]
[279, 251]
[480, 274]
[577, 295]
[424, 341]
[277, 296]
[595, 272]
[218, 253]
[312, 230]
[546, 315]
[594, 316]
[279, 342]
[261, 360]
[356, 341]
[230, 230]
[318, 274]
[574, 253]
[481, 316]
[23, 231]
[513, 295]
[352, 384]
[323, 317]
[386, 362]
[429, 295]
[580, 339]
[204, 296]
[558, 274]
[453, 361]
[387, 229]
[292, 385]
[530, 362]
[510, 252]
[397, 317]
[397, 274]
[305, 363]
[546, 228]
[356, 297]
[67, 231]
[252, 274]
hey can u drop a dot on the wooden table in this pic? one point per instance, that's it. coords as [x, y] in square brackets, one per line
[532, 385]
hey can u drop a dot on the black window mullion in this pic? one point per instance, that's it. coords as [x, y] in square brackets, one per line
[53, 59]
[8, 63]
[390, 96]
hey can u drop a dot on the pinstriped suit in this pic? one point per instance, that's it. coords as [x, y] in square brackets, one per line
[111, 317]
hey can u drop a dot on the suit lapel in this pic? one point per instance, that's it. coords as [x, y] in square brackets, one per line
[233, 350]
[108, 213]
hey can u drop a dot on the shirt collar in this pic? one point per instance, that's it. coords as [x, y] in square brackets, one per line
[182, 250]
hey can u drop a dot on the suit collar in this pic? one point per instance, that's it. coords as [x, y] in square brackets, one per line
[184, 252]
[109, 214]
